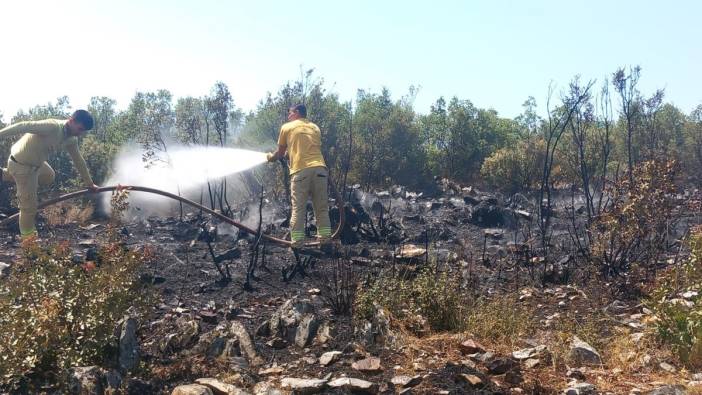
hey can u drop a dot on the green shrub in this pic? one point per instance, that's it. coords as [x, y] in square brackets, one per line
[438, 297]
[98, 156]
[677, 304]
[389, 290]
[434, 295]
[515, 168]
[55, 313]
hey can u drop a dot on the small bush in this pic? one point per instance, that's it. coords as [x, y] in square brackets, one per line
[516, 168]
[634, 228]
[388, 290]
[55, 313]
[438, 297]
[677, 304]
[98, 156]
[435, 296]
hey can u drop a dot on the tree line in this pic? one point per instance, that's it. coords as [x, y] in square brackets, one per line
[593, 131]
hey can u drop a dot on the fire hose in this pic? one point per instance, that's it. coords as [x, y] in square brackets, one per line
[220, 216]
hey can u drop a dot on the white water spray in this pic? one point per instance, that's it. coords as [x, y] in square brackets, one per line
[184, 170]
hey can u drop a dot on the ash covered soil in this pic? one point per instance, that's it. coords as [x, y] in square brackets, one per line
[287, 329]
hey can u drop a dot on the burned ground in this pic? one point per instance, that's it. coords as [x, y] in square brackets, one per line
[482, 239]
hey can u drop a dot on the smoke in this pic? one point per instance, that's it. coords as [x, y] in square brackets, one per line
[184, 171]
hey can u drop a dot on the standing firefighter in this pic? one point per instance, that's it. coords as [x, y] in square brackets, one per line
[27, 166]
[302, 140]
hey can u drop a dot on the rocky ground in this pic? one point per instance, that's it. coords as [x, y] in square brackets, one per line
[283, 331]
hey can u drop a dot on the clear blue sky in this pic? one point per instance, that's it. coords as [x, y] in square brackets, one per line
[494, 53]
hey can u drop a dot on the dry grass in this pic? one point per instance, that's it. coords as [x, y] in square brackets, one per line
[66, 212]
[500, 322]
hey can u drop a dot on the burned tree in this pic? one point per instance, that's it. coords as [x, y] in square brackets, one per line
[652, 135]
[151, 116]
[558, 121]
[604, 139]
[693, 139]
[218, 108]
[581, 125]
[625, 85]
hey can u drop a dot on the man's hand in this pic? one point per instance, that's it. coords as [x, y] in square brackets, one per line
[271, 157]
[93, 188]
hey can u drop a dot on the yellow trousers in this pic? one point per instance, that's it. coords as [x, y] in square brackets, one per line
[27, 179]
[308, 182]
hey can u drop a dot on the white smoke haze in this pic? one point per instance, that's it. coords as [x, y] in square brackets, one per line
[367, 199]
[186, 171]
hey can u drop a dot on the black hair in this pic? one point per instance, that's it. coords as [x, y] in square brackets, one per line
[301, 109]
[84, 118]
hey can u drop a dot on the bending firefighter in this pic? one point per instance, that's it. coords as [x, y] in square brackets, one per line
[302, 140]
[27, 167]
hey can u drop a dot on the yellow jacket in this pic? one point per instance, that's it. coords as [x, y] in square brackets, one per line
[42, 137]
[303, 141]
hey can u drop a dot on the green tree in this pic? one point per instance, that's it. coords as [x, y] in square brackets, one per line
[693, 143]
[459, 137]
[148, 120]
[515, 168]
[437, 140]
[218, 107]
[190, 120]
[103, 110]
[389, 149]
[334, 120]
[60, 110]
[529, 121]
[651, 135]
[670, 130]
[98, 156]
[625, 84]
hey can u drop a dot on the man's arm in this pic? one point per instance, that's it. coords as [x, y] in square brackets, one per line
[274, 156]
[282, 145]
[80, 165]
[37, 127]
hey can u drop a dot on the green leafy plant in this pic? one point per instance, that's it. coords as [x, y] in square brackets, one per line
[514, 168]
[434, 295]
[677, 304]
[446, 306]
[55, 313]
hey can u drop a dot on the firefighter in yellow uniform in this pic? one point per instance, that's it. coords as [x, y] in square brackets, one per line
[27, 167]
[302, 140]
